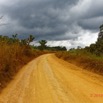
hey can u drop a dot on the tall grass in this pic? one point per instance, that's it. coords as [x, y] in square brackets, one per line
[84, 59]
[12, 57]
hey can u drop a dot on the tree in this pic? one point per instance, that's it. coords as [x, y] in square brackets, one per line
[43, 44]
[14, 36]
[30, 39]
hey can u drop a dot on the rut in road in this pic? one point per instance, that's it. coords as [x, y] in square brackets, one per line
[49, 79]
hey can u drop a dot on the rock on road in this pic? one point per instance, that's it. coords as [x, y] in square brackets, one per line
[48, 79]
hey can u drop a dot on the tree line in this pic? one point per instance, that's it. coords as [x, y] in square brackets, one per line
[26, 42]
[96, 48]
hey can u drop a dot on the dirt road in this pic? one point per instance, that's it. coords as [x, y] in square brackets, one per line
[48, 79]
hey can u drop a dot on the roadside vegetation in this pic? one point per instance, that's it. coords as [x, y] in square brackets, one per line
[83, 59]
[15, 53]
[89, 58]
[43, 46]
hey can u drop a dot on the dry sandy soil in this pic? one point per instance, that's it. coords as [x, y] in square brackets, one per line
[48, 79]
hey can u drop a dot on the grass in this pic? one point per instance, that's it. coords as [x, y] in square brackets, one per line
[12, 58]
[84, 59]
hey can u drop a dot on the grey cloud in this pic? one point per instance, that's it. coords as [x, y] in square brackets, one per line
[38, 15]
[52, 19]
[91, 24]
[95, 9]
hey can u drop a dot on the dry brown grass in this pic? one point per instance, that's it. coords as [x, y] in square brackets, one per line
[85, 60]
[12, 58]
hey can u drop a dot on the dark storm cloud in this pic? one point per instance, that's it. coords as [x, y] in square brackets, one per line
[52, 19]
[91, 23]
[44, 18]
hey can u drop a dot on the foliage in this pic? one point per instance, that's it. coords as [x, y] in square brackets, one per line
[14, 53]
[84, 59]
[96, 48]
[90, 58]
[42, 44]
[57, 48]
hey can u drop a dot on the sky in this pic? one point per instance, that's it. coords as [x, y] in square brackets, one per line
[69, 23]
